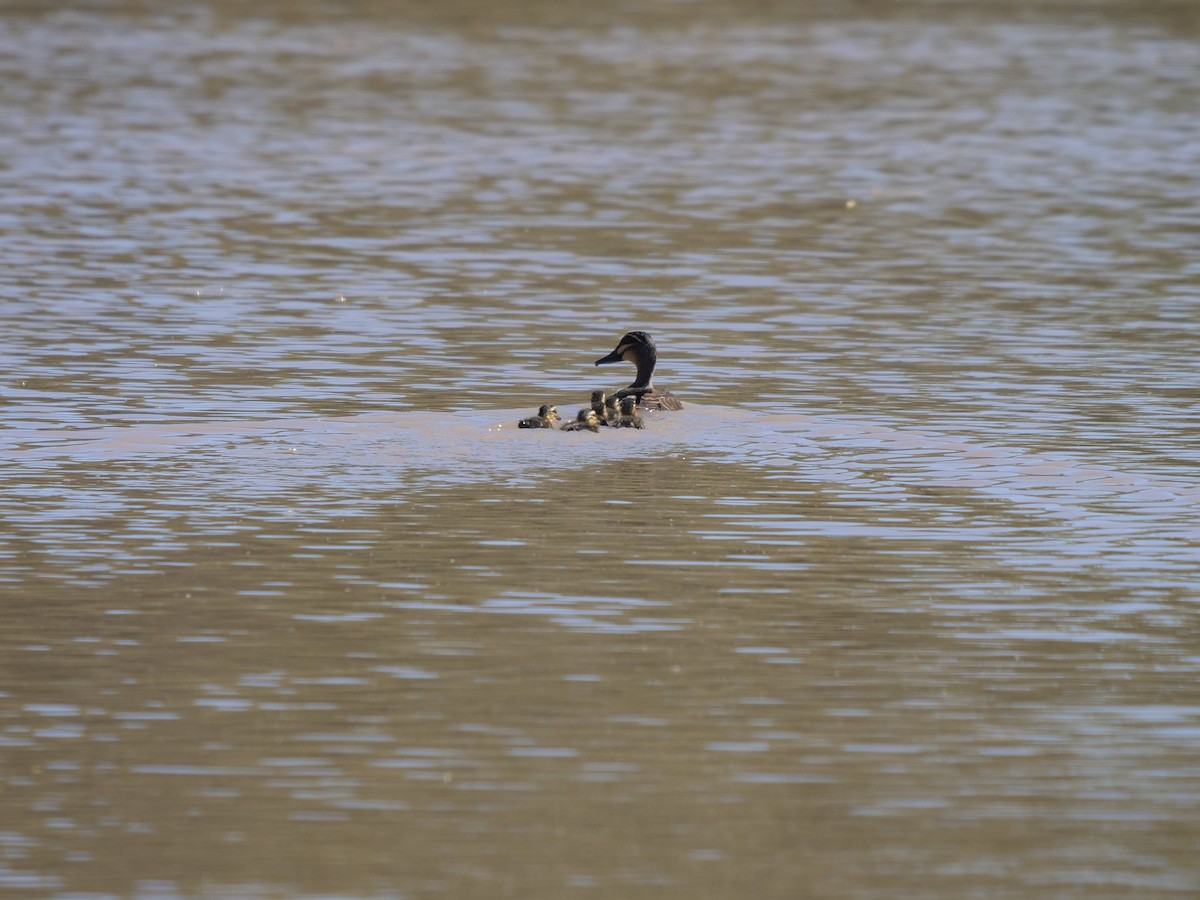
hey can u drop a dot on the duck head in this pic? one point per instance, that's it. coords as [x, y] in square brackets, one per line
[638, 348]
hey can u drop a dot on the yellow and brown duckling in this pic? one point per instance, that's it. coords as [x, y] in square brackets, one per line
[629, 414]
[600, 407]
[612, 410]
[546, 416]
[586, 419]
[638, 348]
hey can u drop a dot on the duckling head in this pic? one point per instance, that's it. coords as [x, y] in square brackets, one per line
[548, 412]
[628, 406]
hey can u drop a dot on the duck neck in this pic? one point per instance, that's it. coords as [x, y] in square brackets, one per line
[645, 369]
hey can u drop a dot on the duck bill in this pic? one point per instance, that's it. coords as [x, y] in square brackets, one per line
[611, 358]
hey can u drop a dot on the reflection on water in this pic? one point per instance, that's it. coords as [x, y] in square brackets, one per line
[901, 604]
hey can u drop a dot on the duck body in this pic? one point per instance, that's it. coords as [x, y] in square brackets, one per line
[546, 416]
[638, 348]
[585, 420]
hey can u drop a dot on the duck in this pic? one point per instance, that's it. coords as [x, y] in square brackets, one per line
[629, 414]
[546, 416]
[585, 419]
[601, 407]
[612, 410]
[638, 348]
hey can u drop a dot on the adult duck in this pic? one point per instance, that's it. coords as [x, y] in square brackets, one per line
[638, 348]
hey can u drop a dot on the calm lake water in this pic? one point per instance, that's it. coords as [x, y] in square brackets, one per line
[904, 603]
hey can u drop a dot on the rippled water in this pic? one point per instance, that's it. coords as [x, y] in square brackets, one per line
[904, 603]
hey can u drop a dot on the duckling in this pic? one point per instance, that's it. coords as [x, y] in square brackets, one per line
[612, 410]
[629, 414]
[599, 407]
[638, 348]
[546, 416]
[586, 419]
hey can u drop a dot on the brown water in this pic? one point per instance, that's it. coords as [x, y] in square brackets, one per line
[903, 604]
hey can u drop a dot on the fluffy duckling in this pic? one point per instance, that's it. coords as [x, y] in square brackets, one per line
[612, 410]
[600, 407]
[586, 419]
[638, 348]
[546, 416]
[629, 414]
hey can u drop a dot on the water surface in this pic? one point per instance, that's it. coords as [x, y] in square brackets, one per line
[903, 603]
